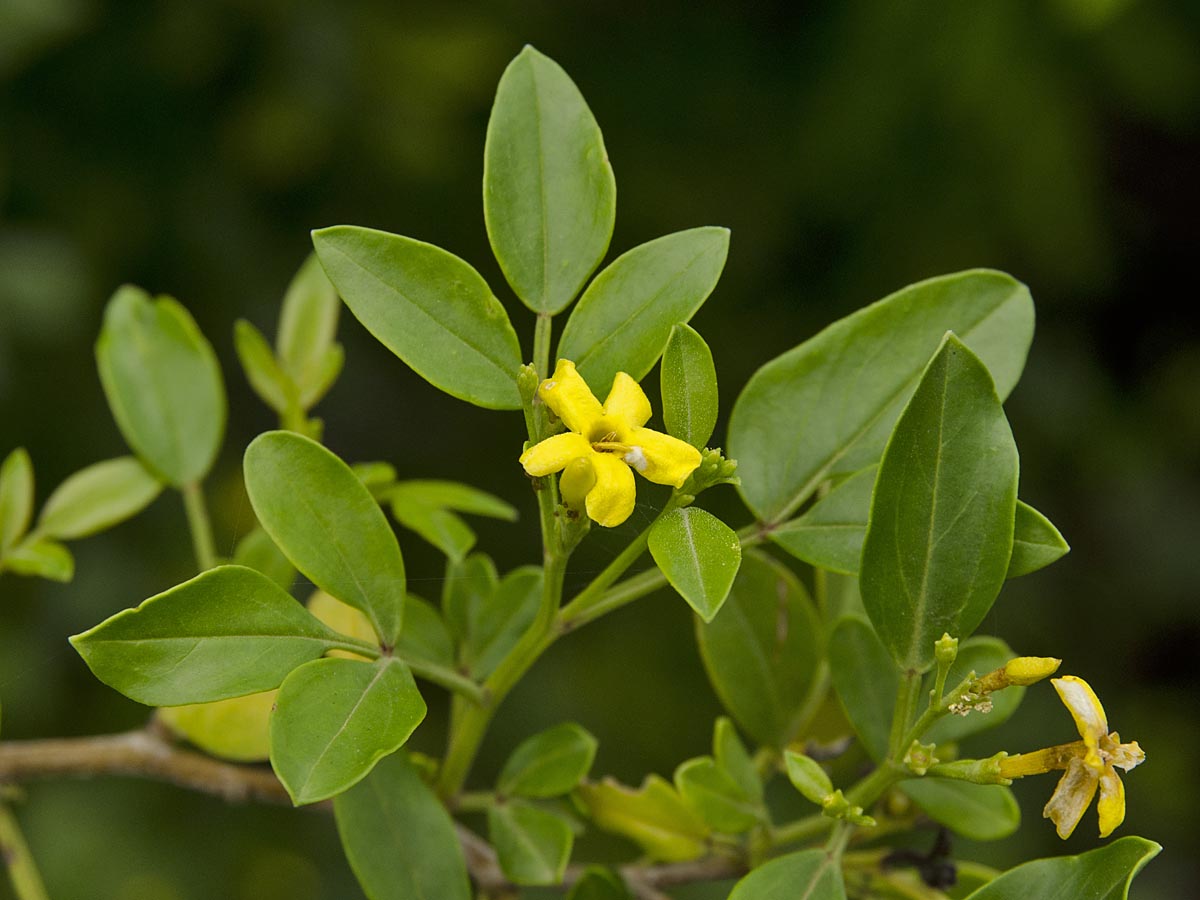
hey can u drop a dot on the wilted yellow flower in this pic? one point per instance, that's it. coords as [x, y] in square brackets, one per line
[604, 444]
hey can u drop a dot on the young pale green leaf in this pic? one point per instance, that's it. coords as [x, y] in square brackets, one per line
[454, 495]
[807, 776]
[499, 621]
[273, 386]
[1101, 874]
[425, 636]
[378, 477]
[979, 812]
[625, 317]
[16, 497]
[428, 307]
[532, 845]
[163, 384]
[761, 657]
[335, 718]
[549, 764]
[41, 558]
[468, 586]
[714, 794]
[307, 328]
[598, 883]
[733, 758]
[699, 554]
[689, 387]
[866, 681]
[865, 366]
[327, 523]
[940, 533]
[325, 375]
[809, 874]
[98, 497]
[549, 196]
[442, 528]
[229, 631]
[830, 533]
[398, 837]
[654, 816]
[979, 654]
[257, 551]
[1036, 542]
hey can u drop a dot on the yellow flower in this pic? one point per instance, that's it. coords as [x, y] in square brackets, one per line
[604, 443]
[1090, 763]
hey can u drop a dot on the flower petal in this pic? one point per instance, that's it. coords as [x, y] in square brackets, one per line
[1112, 802]
[1072, 796]
[611, 501]
[568, 395]
[661, 458]
[1085, 708]
[554, 453]
[1124, 756]
[577, 481]
[628, 401]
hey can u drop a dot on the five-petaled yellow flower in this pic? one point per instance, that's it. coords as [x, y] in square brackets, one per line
[604, 443]
[1089, 763]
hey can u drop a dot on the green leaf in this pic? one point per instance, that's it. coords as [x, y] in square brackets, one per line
[398, 837]
[625, 317]
[425, 635]
[273, 386]
[830, 533]
[307, 328]
[689, 387]
[326, 522]
[257, 551]
[761, 651]
[865, 366]
[227, 632]
[598, 883]
[429, 308]
[468, 585]
[378, 477]
[41, 558]
[654, 816]
[532, 845]
[16, 497]
[979, 654]
[809, 874]
[163, 384]
[866, 681]
[335, 718]
[440, 527]
[699, 554]
[453, 495]
[733, 758]
[980, 812]
[1036, 542]
[549, 196]
[501, 618]
[714, 794]
[1101, 874]
[548, 764]
[940, 534]
[98, 497]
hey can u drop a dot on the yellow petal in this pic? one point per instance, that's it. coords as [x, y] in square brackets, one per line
[1072, 796]
[568, 395]
[611, 501]
[576, 481]
[1123, 756]
[1085, 708]
[628, 401]
[553, 454]
[661, 458]
[1112, 802]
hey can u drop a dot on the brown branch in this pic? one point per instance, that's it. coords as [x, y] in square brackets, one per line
[150, 753]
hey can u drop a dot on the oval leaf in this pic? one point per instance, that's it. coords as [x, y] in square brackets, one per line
[689, 387]
[335, 718]
[262, 370]
[549, 196]
[549, 764]
[454, 495]
[865, 366]
[866, 681]
[654, 816]
[163, 384]
[98, 497]
[700, 556]
[732, 757]
[532, 845]
[1101, 874]
[980, 812]
[625, 317]
[328, 524]
[257, 551]
[809, 874]
[429, 308]
[16, 497]
[41, 558]
[714, 794]
[307, 328]
[830, 533]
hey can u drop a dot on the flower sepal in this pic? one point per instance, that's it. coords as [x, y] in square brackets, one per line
[714, 469]
[976, 771]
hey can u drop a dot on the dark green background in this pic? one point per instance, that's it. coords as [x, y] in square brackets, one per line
[852, 148]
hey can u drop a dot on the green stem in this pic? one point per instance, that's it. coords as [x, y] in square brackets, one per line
[294, 418]
[200, 526]
[906, 703]
[542, 332]
[937, 708]
[474, 801]
[22, 870]
[801, 830]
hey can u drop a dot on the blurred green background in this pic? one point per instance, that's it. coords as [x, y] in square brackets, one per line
[852, 149]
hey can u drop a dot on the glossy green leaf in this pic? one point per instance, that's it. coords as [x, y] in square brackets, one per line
[940, 534]
[1036, 542]
[624, 318]
[442, 528]
[654, 815]
[689, 387]
[273, 386]
[865, 366]
[1101, 874]
[499, 621]
[163, 384]
[733, 758]
[866, 681]
[532, 845]
[429, 308]
[98, 497]
[335, 718]
[761, 651]
[227, 632]
[549, 196]
[398, 837]
[598, 883]
[307, 328]
[980, 812]
[714, 794]
[16, 497]
[809, 875]
[425, 635]
[830, 533]
[454, 495]
[328, 524]
[548, 764]
[468, 585]
[41, 558]
[807, 776]
[257, 551]
[699, 554]
[978, 654]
